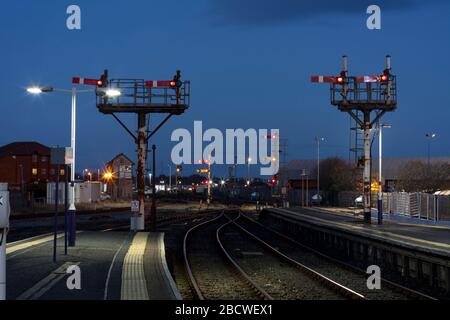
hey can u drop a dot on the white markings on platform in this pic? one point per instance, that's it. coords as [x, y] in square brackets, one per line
[134, 284]
[108, 277]
[28, 243]
[162, 249]
[43, 286]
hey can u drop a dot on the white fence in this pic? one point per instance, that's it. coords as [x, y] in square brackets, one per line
[419, 205]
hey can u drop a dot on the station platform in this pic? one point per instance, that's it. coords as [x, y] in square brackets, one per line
[113, 266]
[428, 238]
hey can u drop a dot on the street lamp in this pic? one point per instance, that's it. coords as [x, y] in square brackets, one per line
[170, 177]
[248, 173]
[112, 93]
[72, 210]
[429, 136]
[318, 140]
[380, 183]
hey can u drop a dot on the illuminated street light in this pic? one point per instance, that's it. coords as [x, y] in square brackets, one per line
[112, 93]
[34, 90]
[248, 173]
[318, 141]
[39, 90]
[380, 170]
[430, 136]
[108, 176]
[72, 209]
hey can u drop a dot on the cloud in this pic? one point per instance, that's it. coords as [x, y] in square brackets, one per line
[272, 12]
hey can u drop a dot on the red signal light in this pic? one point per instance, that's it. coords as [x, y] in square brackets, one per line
[340, 79]
[172, 83]
[384, 77]
[99, 83]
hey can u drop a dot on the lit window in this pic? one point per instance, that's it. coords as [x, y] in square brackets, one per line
[61, 172]
[34, 171]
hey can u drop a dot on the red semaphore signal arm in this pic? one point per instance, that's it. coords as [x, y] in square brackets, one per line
[160, 83]
[86, 81]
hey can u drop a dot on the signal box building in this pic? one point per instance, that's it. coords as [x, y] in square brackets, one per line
[120, 187]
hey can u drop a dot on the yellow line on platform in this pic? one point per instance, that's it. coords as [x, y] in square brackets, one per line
[25, 245]
[134, 284]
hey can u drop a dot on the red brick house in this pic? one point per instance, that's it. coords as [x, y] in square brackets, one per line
[25, 166]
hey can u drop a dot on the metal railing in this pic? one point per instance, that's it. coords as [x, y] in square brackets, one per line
[134, 92]
[353, 92]
[418, 205]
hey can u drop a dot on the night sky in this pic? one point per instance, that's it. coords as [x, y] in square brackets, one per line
[249, 62]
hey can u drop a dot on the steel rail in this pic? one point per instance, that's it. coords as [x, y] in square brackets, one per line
[392, 284]
[260, 291]
[314, 274]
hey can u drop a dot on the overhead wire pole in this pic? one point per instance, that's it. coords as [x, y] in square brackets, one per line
[318, 168]
[363, 95]
[209, 180]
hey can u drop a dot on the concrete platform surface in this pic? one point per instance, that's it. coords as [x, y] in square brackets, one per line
[432, 239]
[112, 265]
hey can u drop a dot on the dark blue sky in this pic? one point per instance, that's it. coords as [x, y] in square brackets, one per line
[249, 62]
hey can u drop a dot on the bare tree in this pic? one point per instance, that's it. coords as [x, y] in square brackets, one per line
[336, 175]
[418, 176]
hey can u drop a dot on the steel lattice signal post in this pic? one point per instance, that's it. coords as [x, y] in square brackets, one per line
[359, 97]
[141, 97]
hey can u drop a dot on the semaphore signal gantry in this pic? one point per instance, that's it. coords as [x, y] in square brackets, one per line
[142, 97]
[359, 96]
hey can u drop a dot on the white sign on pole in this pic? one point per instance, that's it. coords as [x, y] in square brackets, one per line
[135, 206]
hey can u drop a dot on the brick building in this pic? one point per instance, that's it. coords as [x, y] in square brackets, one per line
[26, 167]
[121, 185]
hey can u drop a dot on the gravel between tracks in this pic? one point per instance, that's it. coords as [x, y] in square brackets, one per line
[280, 279]
[215, 277]
[349, 278]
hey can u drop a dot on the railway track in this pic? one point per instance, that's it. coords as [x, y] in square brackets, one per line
[282, 276]
[212, 272]
[348, 274]
[216, 271]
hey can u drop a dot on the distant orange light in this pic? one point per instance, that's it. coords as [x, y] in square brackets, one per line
[340, 79]
[108, 175]
[384, 77]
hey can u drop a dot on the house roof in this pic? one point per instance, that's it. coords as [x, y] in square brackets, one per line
[23, 148]
[120, 155]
